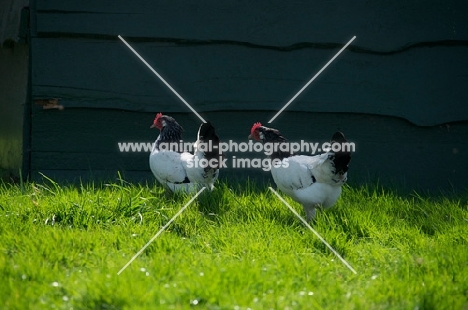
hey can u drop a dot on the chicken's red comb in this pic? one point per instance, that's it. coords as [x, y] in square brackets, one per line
[157, 117]
[254, 127]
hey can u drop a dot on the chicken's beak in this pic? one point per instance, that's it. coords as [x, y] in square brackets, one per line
[250, 137]
[152, 126]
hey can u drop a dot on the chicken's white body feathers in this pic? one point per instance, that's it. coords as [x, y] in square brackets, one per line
[181, 171]
[309, 180]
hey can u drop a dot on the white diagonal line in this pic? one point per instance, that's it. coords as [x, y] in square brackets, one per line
[313, 230]
[308, 83]
[161, 230]
[162, 79]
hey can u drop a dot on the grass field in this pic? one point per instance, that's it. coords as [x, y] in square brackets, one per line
[238, 247]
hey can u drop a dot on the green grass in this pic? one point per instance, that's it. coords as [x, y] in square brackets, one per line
[238, 247]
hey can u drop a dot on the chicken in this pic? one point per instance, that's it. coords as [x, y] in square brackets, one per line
[177, 169]
[313, 181]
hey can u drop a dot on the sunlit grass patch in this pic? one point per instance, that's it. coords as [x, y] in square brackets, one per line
[236, 247]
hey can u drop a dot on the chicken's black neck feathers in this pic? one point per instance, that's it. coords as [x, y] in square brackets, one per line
[274, 136]
[171, 132]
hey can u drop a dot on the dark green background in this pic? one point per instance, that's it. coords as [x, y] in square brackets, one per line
[399, 91]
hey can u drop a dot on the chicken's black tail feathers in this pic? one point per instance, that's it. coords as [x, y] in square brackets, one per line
[207, 134]
[342, 157]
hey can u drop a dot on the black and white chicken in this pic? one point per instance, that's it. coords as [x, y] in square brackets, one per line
[313, 181]
[178, 169]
